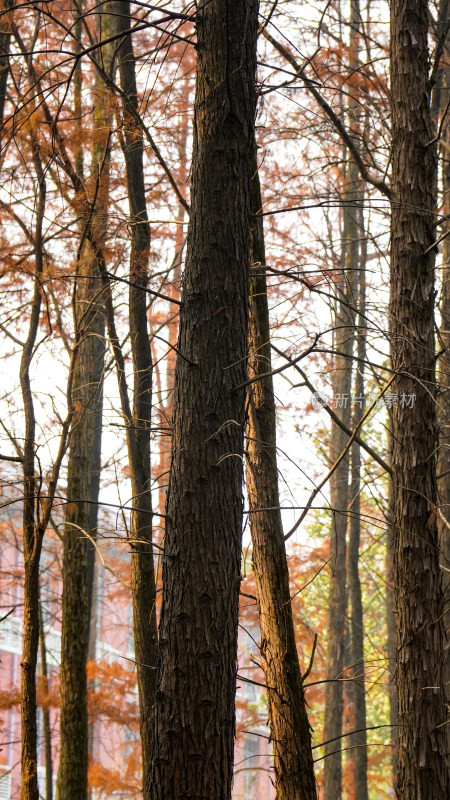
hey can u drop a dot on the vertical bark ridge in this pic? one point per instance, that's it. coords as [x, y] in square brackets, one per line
[142, 568]
[358, 740]
[194, 708]
[83, 478]
[339, 489]
[422, 768]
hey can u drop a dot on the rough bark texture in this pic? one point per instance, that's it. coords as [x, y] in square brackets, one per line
[443, 462]
[289, 726]
[339, 495]
[84, 463]
[138, 436]
[194, 708]
[422, 769]
[391, 638]
[83, 472]
[359, 739]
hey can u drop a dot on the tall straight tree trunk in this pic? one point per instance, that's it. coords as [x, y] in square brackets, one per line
[357, 259]
[359, 739]
[36, 514]
[289, 727]
[443, 462]
[194, 708]
[391, 636]
[142, 568]
[422, 769]
[45, 711]
[32, 533]
[444, 419]
[83, 471]
[339, 490]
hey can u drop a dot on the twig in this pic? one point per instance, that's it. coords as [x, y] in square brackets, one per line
[311, 660]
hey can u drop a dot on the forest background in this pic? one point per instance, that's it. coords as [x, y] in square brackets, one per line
[97, 118]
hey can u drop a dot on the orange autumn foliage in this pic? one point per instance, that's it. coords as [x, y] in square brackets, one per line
[112, 693]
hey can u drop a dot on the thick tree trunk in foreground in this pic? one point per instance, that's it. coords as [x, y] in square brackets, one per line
[138, 435]
[289, 726]
[422, 768]
[443, 462]
[194, 708]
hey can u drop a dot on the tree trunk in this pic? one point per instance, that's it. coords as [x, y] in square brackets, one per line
[339, 491]
[32, 533]
[194, 709]
[443, 462]
[142, 569]
[289, 726]
[5, 42]
[422, 769]
[83, 469]
[391, 638]
[45, 711]
[36, 514]
[359, 739]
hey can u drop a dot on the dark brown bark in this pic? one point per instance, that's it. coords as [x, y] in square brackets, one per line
[339, 491]
[45, 712]
[347, 292]
[443, 462]
[142, 568]
[5, 42]
[83, 471]
[391, 637]
[356, 621]
[289, 727]
[82, 483]
[422, 769]
[77, 14]
[194, 709]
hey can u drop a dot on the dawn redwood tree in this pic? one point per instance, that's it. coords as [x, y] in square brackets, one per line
[344, 337]
[289, 725]
[139, 426]
[391, 643]
[357, 248]
[358, 755]
[194, 706]
[440, 99]
[422, 769]
[83, 469]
